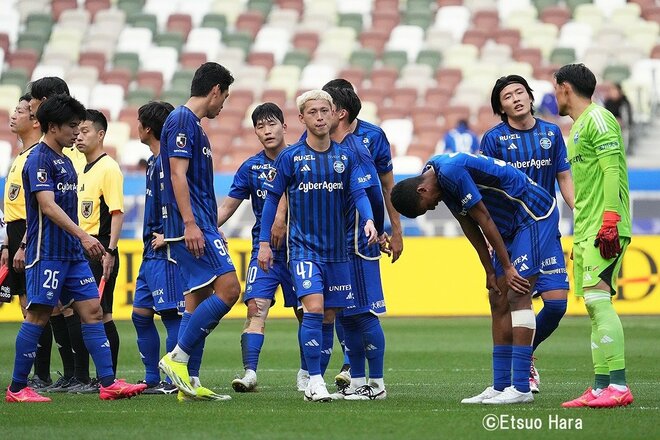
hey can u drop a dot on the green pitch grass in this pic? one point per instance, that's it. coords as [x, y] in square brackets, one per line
[431, 364]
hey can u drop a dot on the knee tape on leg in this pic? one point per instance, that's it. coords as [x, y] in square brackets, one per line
[256, 321]
[523, 318]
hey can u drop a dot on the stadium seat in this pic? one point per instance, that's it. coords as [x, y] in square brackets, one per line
[298, 58]
[206, 40]
[131, 6]
[590, 14]
[136, 40]
[418, 18]
[262, 6]
[384, 77]
[108, 96]
[126, 60]
[30, 40]
[351, 20]
[523, 69]
[263, 59]
[475, 37]
[40, 23]
[562, 56]
[119, 76]
[577, 35]
[44, 70]
[399, 133]
[174, 40]
[557, 15]
[438, 97]
[25, 59]
[138, 97]
[163, 59]
[275, 40]
[455, 19]
[130, 153]
[94, 6]
[192, 60]
[609, 6]
[181, 80]
[384, 20]
[249, 22]
[510, 37]
[215, 21]
[574, 4]
[429, 57]
[285, 78]
[276, 96]
[5, 157]
[59, 6]
[92, 59]
[144, 20]
[4, 42]
[175, 97]
[408, 39]
[238, 40]
[110, 17]
[403, 98]
[372, 94]
[438, 39]
[363, 58]
[153, 80]
[78, 18]
[495, 53]
[543, 36]
[395, 58]
[411, 165]
[181, 23]
[283, 18]
[374, 39]
[616, 73]
[17, 77]
[86, 75]
[306, 40]
[486, 19]
[314, 75]
[9, 95]
[340, 40]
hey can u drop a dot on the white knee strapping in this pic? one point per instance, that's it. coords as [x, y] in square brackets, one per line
[523, 318]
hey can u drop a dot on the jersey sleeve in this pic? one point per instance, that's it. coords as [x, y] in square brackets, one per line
[461, 185]
[240, 188]
[604, 133]
[561, 155]
[381, 153]
[38, 174]
[113, 188]
[488, 146]
[180, 137]
[358, 178]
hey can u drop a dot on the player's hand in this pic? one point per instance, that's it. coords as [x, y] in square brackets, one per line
[607, 239]
[92, 247]
[108, 263]
[515, 282]
[19, 260]
[384, 243]
[278, 234]
[223, 237]
[265, 256]
[370, 232]
[158, 241]
[194, 239]
[4, 258]
[491, 283]
[396, 246]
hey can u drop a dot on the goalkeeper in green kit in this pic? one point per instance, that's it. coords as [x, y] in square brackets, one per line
[602, 228]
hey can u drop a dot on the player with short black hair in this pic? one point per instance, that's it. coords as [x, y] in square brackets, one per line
[56, 269]
[158, 288]
[535, 147]
[190, 216]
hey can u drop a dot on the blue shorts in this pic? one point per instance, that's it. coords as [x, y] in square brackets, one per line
[333, 280]
[260, 284]
[367, 288]
[553, 274]
[50, 281]
[158, 286]
[531, 246]
[200, 272]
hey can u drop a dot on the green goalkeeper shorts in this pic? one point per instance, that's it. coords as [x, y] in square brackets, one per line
[589, 267]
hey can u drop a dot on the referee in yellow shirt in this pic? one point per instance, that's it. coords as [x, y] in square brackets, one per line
[101, 213]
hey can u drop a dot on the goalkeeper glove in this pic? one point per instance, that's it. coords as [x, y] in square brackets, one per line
[607, 239]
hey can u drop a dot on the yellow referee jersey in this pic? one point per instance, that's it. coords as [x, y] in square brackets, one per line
[100, 192]
[78, 158]
[14, 194]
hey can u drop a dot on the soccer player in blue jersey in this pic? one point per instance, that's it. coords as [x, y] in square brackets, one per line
[56, 269]
[318, 176]
[519, 220]
[363, 333]
[190, 215]
[374, 138]
[259, 296]
[158, 287]
[536, 147]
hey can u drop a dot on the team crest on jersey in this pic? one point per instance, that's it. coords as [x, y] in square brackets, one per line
[271, 174]
[42, 176]
[545, 143]
[576, 137]
[14, 190]
[307, 284]
[181, 140]
[339, 166]
[87, 209]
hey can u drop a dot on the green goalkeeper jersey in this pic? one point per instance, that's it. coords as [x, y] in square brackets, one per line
[594, 140]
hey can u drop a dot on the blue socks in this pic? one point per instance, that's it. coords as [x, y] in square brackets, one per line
[26, 351]
[328, 331]
[548, 319]
[502, 367]
[195, 361]
[339, 328]
[205, 318]
[354, 346]
[98, 346]
[148, 342]
[521, 361]
[303, 362]
[374, 344]
[251, 344]
[172, 325]
[311, 337]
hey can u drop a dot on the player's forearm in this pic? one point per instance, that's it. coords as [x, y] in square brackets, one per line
[282, 209]
[227, 209]
[481, 215]
[268, 217]
[387, 183]
[476, 239]
[610, 166]
[566, 188]
[182, 197]
[378, 208]
[362, 204]
[116, 223]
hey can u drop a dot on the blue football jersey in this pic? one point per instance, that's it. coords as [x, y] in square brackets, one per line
[45, 170]
[513, 200]
[153, 209]
[356, 240]
[539, 152]
[373, 137]
[318, 186]
[247, 184]
[183, 136]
